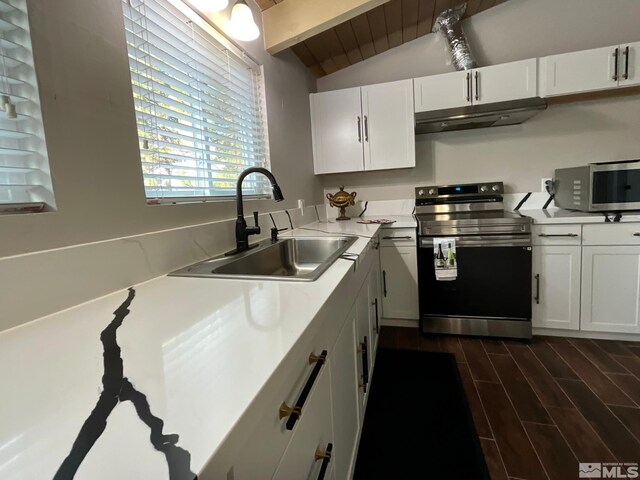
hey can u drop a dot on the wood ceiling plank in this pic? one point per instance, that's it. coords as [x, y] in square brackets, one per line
[393, 17]
[426, 9]
[362, 32]
[378, 27]
[293, 21]
[264, 4]
[472, 8]
[409, 20]
[441, 6]
[349, 42]
[319, 50]
[333, 44]
[306, 57]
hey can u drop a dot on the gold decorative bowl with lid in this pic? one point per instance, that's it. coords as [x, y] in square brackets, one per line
[342, 200]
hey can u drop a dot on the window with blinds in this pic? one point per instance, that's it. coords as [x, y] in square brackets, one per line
[25, 182]
[199, 105]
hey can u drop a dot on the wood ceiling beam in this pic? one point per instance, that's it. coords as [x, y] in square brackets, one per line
[293, 21]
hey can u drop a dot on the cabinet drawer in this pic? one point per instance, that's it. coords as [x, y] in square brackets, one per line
[398, 236]
[557, 234]
[262, 452]
[312, 437]
[612, 234]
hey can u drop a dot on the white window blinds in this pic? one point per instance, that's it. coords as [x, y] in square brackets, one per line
[25, 183]
[199, 105]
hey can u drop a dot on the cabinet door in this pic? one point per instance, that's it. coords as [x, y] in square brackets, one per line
[509, 81]
[344, 399]
[578, 72]
[389, 126]
[436, 92]
[556, 287]
[314, 431]
[399, 282]
[363, 340]
[336, 125]
[629, 64]
[375, 307]
[611, 289]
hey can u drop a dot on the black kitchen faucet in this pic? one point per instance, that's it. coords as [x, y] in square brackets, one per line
[242, 231]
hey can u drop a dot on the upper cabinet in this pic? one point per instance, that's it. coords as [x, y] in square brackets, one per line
[590, 70]
[497, 83]
[336, 123]
[368, 128]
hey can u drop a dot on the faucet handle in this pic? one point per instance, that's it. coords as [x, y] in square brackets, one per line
[255, 218]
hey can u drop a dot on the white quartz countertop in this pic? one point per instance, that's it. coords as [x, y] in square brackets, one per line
[560, 216]
[190, 352]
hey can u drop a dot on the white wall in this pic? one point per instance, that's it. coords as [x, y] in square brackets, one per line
[564, 135]
[81, 63]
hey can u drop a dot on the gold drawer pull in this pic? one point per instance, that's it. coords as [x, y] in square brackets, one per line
[286, 410]
[313, 358]
[320, 455]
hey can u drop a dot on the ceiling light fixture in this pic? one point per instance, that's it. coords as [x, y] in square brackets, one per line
[242, 26]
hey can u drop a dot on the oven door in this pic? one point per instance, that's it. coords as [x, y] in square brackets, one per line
[615, 186]
[493, 281]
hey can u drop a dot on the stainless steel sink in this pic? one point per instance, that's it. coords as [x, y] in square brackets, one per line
[295, 258]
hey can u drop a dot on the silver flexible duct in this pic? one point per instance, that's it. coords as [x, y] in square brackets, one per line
[448, 23]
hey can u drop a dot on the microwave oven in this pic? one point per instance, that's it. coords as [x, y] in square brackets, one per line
[599, 187]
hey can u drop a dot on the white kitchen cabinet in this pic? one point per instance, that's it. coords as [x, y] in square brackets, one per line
[399, 282]
[556, 287]
[590, 70]
[629, 64]
[497, 83]
[314, 431]
[364, 347]
[610, 289]
[336, 119]
[438, 92]
[508, 81]
[375, 307]
[368, 128]
[389, 138]
[344, 398]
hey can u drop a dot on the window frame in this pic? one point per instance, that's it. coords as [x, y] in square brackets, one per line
[243, 56]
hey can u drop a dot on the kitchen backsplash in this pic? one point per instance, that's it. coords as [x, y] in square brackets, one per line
[41, 283]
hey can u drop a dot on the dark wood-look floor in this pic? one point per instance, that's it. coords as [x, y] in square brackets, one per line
[542, 407]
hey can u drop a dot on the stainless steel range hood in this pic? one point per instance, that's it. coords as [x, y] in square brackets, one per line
[479, 116]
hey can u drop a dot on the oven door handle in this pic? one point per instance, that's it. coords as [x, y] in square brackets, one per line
[483, 241]
[550, 235]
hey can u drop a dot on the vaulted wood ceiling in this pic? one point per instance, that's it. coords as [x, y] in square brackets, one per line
[376, 31]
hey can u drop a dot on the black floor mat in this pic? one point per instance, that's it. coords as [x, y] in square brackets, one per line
[418, 424]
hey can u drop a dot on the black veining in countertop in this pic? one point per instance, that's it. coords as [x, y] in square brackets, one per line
[117, 388]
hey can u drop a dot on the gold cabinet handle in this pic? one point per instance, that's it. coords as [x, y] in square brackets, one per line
[322, 454]
[313, 358]
[294, 413]
[285, 410]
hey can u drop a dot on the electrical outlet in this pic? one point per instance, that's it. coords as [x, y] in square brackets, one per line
[543, 184]
[301, 205]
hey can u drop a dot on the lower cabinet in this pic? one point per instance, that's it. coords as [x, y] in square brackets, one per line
[556, 287]
[323, 442]
[345, 399]
[400, 282]
[375, 307]
[611, 289]
[312, 442]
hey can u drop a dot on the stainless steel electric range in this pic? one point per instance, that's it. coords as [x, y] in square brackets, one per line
[491, 292]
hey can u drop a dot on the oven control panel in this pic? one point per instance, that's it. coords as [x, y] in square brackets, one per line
[466, 190]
